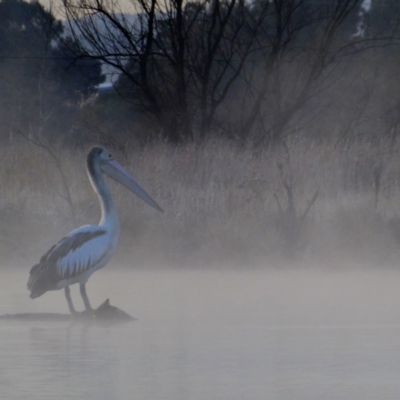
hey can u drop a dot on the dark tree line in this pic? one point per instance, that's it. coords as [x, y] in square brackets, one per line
[42, 83]
[259, 70]
[183, 70]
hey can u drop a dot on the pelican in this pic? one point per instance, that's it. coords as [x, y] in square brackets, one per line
[88, 248]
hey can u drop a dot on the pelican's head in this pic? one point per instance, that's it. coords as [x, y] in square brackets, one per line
[104, 159]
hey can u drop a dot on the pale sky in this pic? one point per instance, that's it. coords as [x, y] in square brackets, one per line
[366, 5]
[56, 6]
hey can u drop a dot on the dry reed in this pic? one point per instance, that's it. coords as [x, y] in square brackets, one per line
[224, 204]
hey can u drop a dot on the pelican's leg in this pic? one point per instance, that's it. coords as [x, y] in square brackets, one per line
[68, 296]
[84, 297]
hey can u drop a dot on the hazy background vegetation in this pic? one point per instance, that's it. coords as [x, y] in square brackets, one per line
[267, 130]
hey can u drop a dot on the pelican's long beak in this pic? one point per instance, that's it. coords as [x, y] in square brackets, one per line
[115, 171]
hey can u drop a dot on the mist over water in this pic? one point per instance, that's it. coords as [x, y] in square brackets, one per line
[209, 334]
[299, 162]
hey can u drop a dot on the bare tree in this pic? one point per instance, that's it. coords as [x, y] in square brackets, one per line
[302, 47]
[258, 70]
[176, 60]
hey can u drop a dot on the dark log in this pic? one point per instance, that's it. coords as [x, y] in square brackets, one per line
[104, 313]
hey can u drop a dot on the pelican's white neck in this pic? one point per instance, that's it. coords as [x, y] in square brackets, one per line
[108, 212]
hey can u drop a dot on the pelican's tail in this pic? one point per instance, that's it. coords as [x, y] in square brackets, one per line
[39, 281]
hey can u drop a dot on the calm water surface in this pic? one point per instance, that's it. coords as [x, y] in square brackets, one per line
[205, 335]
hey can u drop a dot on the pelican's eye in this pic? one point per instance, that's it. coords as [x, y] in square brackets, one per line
[109, 156]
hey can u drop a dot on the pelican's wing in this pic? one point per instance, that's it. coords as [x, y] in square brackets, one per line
[82, 249]
[76, 253]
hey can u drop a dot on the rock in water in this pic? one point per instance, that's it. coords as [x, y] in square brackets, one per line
[104, 313]
[107, 312]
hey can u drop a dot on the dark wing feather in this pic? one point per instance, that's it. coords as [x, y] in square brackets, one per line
[44, 275]
[68, 244]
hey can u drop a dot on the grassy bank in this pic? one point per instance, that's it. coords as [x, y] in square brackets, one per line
[225, 204]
